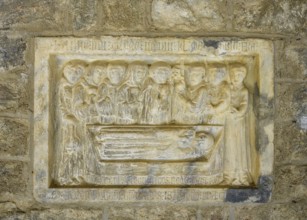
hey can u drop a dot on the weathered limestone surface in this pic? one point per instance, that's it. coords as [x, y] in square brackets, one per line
[12, 51]
[292, 102]
[294, 147]
[290, 179]
[14, 136]
[14, 92]
[13, 178]
[34, 15]
[293, 54]
[189, 16]
[84, 14]
[279, 211]
[166, 212]
[123, 14]
[282, 21]
[280, 16]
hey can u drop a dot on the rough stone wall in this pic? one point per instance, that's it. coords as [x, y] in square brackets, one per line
[283, 21]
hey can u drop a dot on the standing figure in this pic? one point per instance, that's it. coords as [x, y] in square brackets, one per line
[70, 166]
[157, 95]
[196, 93]
[218, 95]
[179, 102]
[237, 165]
[94, 81]
[102, 101]
[110, 97]
[132, 92]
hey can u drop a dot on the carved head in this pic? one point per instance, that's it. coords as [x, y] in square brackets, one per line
[160, 72]
[176, 70]
[138, 72]
[116, 72]
[195, 75]
[73, 72]
[96, 74]
[238, 74]
[217, 75]
[177, 74]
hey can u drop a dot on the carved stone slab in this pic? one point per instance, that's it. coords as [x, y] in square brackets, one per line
[152, 119]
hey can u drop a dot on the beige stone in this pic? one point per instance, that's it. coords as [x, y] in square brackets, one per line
[290, 179]
[292, 101]
[189, 15]
[13, 137]
[291, 211]
[14, 94]
[158, 112]
[69, 214]
[12, 52]
[291, 59]
[128, 15]
[294, 147]
[34, 15]
[12, 178]
[281, 16]
[152, 213]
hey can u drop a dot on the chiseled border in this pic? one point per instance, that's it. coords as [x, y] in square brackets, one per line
[44, 47]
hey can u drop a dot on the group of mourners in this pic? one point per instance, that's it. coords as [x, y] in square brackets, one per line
[139, 93]
[118, 93]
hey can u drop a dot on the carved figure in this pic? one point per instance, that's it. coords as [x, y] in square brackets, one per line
[157, 95]
[95, 78]
[179, 102]
[132, 91]
[110, 97]
[196, 93]
[237, 158]
[71, 163]
[219, 94]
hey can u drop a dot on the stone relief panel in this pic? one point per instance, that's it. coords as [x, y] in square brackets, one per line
[127, 113]
[137, 117]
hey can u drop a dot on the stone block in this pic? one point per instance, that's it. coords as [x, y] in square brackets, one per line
[254, 212]
[213, 212]
[13, 137]
[9, 211]
[291, 101]
[277, 16]
[14, 94]
[290, 142]
[84, 14]
[152, 213]
[7, 207]
[193, 15]
[11, 51]
[34, 15]
[289, 211]
[291, 59]
[14, 216]
[12, 177]
[67, 214]
[290, 183]
[128, 15]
